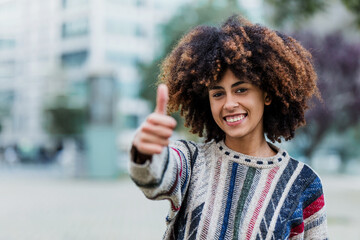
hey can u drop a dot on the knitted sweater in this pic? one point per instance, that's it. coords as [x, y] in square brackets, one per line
[217, 193]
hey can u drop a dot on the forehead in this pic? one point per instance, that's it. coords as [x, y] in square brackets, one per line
[229, 78]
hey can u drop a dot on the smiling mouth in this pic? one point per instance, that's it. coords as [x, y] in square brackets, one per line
[235, 118]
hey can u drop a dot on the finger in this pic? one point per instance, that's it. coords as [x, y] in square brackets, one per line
[162, 98]
[154, 139]
[161, 131]
[162, 120]
[149, 148]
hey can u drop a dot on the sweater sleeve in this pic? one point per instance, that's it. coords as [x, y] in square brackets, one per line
[312, 222]
[166, 175]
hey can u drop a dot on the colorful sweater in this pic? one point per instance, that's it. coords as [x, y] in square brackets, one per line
[217, 193]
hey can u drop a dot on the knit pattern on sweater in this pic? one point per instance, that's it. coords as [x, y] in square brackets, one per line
[217, 193]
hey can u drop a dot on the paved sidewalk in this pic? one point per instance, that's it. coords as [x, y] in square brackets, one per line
[37, 205]
[342, 196]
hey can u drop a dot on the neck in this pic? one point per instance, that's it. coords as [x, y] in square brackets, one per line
[251, 147]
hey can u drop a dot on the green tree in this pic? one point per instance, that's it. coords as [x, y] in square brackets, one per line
[354, 7]
[337, 63]
[295, 11]
[338, 66]
[6, 104]
[63, 120]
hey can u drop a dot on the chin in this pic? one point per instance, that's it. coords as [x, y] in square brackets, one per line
[235, 136]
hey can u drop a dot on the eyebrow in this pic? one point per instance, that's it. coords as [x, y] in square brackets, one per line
[232, 86]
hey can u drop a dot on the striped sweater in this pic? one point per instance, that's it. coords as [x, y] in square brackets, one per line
[217, 193]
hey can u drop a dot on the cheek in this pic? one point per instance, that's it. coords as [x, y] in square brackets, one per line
[258, 108]
[214, 113]
[214, 109]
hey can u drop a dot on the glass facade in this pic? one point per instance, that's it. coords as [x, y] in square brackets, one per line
[121, 58]
[124, 28]
[131, 121]
[129, 89]
[75, 28]
[74, 3]
[74, 59]
[7, 44]
[123, 2]
[109, 34]
[7, 69]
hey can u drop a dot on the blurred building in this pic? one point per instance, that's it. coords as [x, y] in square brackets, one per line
[52, 47]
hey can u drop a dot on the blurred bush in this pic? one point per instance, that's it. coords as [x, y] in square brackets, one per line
[337, 62]
[63, 119]
[295, 12]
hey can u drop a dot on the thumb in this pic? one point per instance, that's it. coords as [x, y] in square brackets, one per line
[162, 99]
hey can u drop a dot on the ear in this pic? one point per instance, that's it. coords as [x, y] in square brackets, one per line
[267, 99]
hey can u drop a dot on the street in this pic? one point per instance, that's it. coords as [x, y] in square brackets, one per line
[38, 205]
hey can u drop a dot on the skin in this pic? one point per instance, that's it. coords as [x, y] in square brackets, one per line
[231, 98]
[237, 107]
[155, 132]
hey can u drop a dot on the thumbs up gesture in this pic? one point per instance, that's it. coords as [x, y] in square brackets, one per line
[155, 132]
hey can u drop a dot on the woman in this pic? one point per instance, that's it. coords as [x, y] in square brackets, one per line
[234, 85]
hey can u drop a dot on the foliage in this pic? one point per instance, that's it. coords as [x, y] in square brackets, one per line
[64, 120]
[338, 66]
[354, 7]
[296, 12]
[6, 101]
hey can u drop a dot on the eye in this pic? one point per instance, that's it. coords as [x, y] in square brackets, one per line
[217, 94]
[241, 90]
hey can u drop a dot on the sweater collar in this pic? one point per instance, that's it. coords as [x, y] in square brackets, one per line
[257, 162]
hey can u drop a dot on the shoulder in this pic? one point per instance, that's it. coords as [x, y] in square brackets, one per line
[307, 177]
[306, 170]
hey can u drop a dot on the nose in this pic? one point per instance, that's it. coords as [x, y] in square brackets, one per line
[230, 103]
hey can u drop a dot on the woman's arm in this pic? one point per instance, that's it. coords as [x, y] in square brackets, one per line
[160, 170]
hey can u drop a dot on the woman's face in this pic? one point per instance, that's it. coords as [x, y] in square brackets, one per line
[237, 107]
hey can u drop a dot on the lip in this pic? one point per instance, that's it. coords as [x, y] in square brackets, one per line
[236, 122]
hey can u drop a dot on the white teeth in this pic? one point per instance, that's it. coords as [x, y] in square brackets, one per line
[235, 119]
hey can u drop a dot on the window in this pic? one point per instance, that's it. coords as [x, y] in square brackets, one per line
[129, 89]
[123, 2]
[131, 121]
[125, 27]
[121, 58]
[120, 27]
[7, 97]
[6, 101]
[140, 3]
[79, 89]
[75, 28]
[74, 3]
[140, 31]
[74, 59]
[7, 44]
[136, 3]
[7, 69]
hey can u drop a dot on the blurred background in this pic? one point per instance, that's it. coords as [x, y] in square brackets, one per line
[77, 77]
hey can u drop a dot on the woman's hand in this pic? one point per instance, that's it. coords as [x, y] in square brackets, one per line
[155, 132]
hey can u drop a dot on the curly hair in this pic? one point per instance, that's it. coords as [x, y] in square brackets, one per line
[271, 60]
